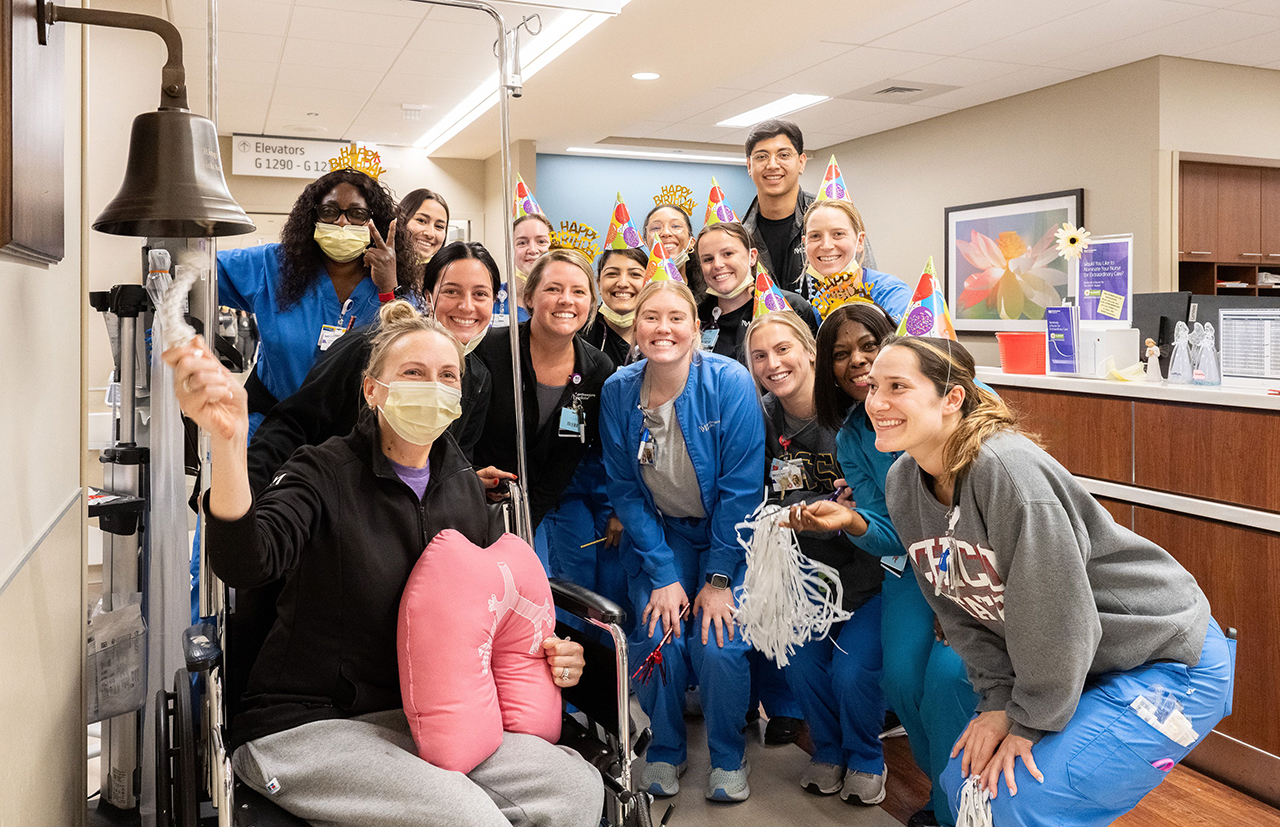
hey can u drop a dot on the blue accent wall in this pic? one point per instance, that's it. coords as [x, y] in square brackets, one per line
[583, 189]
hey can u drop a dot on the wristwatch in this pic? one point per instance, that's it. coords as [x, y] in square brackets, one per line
[718, 581]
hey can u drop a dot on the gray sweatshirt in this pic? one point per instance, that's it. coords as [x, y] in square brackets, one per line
[1036, 587]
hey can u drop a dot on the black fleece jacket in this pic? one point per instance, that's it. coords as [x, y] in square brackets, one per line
[552, 458]
[329, 401]
[815, 446]
[344, 532]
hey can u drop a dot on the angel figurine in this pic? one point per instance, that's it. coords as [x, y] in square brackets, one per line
[1153, 361]
[1180, 361]
[1207, 370]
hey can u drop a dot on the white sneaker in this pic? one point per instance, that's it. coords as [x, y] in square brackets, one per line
[863, 787]
[661, 778]
[822, 779]
[729, 785]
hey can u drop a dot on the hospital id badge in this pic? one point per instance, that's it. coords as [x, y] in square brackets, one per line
[573, 423]
[710, 337]
[895, 565]
[330, 333]
[648, 452]
[787, 475]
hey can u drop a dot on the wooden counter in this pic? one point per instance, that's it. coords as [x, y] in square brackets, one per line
[1196, 470]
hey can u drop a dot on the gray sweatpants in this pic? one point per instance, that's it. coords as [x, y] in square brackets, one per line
[366, 771]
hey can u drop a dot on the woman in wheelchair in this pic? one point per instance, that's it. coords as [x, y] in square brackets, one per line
[322, 731]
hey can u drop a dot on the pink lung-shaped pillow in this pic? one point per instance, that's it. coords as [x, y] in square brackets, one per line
[469, 639]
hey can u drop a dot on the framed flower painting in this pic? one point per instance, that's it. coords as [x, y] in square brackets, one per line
[1002, 265]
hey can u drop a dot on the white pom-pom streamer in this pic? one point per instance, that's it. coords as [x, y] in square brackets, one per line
[786, 599]
[975, 805]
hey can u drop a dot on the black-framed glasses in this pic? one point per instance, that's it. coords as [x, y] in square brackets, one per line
[329, 213]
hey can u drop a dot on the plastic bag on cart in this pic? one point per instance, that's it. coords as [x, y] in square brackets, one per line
[117, 663]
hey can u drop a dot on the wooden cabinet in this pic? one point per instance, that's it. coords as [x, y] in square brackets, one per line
[1056, 418]
[1198, 216]
[1271, 219]
[1239, 215]
[1228, 228]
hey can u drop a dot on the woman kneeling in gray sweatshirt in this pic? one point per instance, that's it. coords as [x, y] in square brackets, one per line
[1094, 653]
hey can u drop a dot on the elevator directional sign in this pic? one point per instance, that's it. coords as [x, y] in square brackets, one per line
[282, 157]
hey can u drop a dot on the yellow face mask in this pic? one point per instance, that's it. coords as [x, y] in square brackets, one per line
[342, 244]
[420, 411]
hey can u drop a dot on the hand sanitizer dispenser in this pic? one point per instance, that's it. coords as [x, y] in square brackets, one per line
[1100, 344]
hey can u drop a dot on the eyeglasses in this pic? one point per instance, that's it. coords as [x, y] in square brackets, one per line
[328, 213]
[784, 156]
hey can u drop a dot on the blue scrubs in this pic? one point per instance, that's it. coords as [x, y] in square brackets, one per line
[582, 517]
[912, 658]
[1107, 757]
[249, 279]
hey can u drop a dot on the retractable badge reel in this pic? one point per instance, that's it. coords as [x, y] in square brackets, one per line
[786, 472]
[573, 417]
[712, 334]
[648, 448]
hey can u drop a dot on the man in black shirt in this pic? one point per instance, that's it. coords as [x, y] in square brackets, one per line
[775, 159]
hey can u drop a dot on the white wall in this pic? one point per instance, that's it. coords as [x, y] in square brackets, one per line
[1098, 132]
[42, 764]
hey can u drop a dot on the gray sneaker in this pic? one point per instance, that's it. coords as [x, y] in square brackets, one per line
[863, 787]
[729, 785]
[661, 778]
[822, 779]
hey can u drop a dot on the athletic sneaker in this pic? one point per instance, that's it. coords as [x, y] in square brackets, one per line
[662, 779]
[862, 788]
[729, 785]
[781, 730]
[822, 779]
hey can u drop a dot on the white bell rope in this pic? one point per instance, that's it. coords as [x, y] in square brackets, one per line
[786, 599]
[169, 297]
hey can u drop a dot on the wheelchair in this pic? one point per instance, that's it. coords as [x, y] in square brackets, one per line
[195, 783]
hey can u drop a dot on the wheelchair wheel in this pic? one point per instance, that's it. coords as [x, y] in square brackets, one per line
[164, 757]
[186, 784]
[641, 812]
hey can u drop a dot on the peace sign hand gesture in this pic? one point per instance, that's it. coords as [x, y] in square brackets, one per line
[381, 258]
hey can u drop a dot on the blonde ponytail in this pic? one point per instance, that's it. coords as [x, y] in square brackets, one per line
[399, 318]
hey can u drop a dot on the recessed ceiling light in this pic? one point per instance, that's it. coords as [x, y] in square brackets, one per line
[646, 76]
[674, 155]
[781, 106]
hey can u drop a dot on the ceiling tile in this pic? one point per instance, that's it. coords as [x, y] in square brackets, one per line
[769, 70]
[692, 132]
[254, 17]
[1271, 7]
[851, 70]
[1024, 80]
[428, 64]
[959, 71]
[897, 16]
[454, 38]
[829, 115]
[1213, 28]
[818, 142]
[294, 104]
[242, 107]
[347, 27]
[697, 103]
[745, 102]
[896, 115]
[1254, 51]
[246, 72]
[1092, 27]
[975, 23]
[243, 46]
[339, 80]
[424, 88]
[393, 8]
[320, 53]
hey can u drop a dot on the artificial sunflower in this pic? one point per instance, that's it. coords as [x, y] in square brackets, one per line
[1072, 241]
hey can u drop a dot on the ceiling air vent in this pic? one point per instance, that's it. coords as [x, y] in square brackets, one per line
[896, 91]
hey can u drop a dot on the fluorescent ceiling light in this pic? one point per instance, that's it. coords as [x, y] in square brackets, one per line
[665, 156]
[551, 42]
[646, 76]
[781, 106]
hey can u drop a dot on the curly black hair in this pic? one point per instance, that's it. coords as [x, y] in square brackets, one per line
[301, 260]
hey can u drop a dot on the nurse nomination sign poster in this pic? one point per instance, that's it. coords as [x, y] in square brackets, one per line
[1105, 281]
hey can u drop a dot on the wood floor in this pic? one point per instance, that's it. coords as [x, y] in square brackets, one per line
[1185, 799]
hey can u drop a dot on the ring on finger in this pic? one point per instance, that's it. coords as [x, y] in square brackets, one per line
[564, 674]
